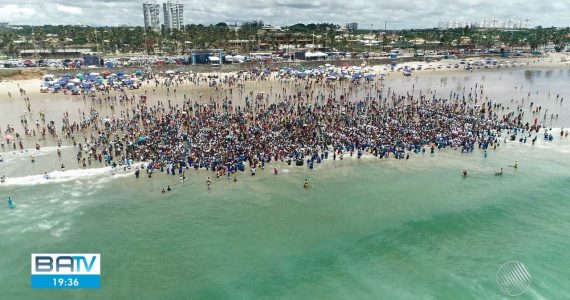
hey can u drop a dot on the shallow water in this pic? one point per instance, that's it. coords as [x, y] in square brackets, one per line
[367, 229]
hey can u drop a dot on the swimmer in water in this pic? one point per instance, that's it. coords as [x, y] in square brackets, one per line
[464, 173]
[46, 176]
[500, 172]
[275, 171]
[3, 178]
[209, 182]
[235, 178]
[168, 188]
[306, 184]
[62, 167]
[163, 191]
[516, 164]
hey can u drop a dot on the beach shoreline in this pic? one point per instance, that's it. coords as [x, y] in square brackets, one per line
[58, 103]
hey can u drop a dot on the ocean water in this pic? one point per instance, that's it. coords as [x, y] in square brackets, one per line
[366, 229]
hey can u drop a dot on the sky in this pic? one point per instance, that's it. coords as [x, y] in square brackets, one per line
[399, 14]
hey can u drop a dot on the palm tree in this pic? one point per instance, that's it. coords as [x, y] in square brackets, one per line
[62, 38]
[178, 39]
[137, 39]
[40, 37]
[115, 39]
[73, 34]
[11, 48]
[92, 38]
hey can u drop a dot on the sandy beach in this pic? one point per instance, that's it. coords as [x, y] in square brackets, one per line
[432, 80]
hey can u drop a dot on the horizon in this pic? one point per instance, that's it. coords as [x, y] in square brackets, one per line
[16, 26]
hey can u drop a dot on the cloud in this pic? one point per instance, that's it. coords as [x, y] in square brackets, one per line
[69, 9]
[12, 10]
[399, 13]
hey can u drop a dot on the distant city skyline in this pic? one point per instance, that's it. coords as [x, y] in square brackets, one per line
[396, 14]
[487, 23]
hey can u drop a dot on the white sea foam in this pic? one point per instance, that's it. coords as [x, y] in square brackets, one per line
[15, 156]
[31, 151]
[76, 176]
[58, 232]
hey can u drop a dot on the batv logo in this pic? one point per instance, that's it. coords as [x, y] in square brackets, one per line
[66, 270]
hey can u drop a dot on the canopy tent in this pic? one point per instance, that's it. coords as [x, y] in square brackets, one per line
[49, 77]
[315, 55]
[238, 58]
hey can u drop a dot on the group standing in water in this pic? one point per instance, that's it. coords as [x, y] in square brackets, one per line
[498, 172]
[305, 121]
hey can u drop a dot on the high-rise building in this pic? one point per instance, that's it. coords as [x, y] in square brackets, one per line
[352, 26]
[151, 11]
[173, 14]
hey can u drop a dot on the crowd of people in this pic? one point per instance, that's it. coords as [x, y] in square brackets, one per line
[302, 121]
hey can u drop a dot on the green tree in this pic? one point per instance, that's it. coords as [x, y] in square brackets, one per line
[62, 37]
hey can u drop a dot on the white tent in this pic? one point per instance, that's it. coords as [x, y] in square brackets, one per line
[315, 55]
[239, 59]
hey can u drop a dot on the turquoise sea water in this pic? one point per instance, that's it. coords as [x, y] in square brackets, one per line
[367, 229]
